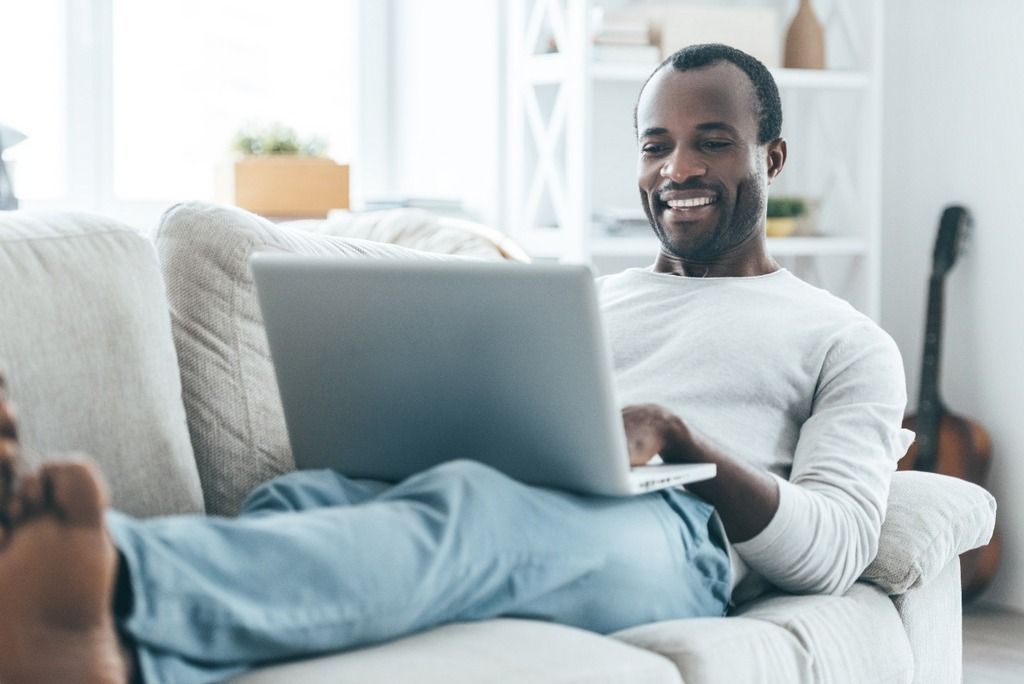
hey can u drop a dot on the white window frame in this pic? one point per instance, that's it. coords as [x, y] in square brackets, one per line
[90, 106]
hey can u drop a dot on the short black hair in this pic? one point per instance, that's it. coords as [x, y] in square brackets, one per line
[769, 104]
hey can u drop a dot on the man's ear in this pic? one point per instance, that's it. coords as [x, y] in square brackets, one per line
[776, 151]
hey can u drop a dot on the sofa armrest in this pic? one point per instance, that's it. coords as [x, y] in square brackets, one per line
[930, 520]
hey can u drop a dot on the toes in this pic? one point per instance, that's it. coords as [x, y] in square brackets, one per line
[9, 452]
[74, 490]
[9, 472]
[8, 449]
[31, 496]
[8, 423]
[25, 498]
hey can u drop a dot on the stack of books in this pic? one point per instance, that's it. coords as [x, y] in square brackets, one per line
[619, 38]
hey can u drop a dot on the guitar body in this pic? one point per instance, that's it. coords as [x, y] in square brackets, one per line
[963, 450]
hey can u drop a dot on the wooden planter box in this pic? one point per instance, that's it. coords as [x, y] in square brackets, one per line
[290, 186]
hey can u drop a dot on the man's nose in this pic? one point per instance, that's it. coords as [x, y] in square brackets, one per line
[681, 165]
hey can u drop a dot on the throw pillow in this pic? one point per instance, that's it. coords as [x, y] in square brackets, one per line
[230, 392]
[418, 229]
[930, 520]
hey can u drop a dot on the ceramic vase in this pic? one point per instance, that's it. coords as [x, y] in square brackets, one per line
[805, 40]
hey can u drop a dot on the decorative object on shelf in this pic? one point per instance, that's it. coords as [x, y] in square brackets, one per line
[9, 137]
[784, 214]
[751, 29]
[281, 175]
[805, 40]
[619, 38]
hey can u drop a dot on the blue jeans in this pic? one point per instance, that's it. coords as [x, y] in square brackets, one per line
[319, 563]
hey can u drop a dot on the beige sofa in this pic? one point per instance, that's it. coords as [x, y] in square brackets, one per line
[147, 351]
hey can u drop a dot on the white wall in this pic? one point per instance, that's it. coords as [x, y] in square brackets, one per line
[446, 101]
[954, 132]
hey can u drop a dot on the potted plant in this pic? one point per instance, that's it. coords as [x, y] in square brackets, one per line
[277, 174]
[783, 215]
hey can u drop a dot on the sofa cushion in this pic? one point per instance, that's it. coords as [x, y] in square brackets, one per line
[494, 651]
[857, 637]
[930, 520]
[231, 397]
[932, 616]
[87, 350]
[417, 229]
[725, 649]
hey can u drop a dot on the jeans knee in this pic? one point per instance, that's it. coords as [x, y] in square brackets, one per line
[470, 475]
[465, 487]
[465, 468]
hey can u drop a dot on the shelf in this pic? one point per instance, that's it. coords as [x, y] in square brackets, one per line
[821, 79]
[834, 118]
[554, 68]
[816, 246]
[785, 78]
[787, 246]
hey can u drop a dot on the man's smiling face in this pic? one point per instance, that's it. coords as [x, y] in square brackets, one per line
[703, 176]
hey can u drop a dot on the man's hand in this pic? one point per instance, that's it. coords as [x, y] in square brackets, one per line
[652, 429]
[745, 496]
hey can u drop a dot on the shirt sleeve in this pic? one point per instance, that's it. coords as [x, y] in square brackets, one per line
[825, 531]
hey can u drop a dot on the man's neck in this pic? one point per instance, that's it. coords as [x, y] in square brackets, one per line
[747, 259]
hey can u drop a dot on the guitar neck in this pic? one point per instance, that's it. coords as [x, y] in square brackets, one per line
[929, 405]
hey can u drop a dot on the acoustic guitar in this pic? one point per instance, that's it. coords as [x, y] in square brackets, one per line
[947, 443]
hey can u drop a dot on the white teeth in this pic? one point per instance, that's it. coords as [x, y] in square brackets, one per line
[687, 203]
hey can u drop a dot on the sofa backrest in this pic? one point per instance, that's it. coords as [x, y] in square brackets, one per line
[230, 391]
[85, 343]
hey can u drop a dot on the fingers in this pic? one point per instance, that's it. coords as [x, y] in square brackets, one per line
[642, 448]
[654, 430]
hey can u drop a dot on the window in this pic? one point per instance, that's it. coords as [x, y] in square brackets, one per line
[32, 94]
[188, 74]
[132, 104]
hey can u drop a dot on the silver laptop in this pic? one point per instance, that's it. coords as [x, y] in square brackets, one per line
[389, 367]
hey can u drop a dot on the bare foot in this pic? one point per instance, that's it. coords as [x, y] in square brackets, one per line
[57, 570]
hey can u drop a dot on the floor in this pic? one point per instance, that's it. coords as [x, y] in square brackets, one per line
[993, 646]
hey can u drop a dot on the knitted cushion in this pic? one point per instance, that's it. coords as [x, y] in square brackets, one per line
[930, 520]
[230, 392]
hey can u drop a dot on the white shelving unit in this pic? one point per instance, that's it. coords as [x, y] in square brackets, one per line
[571, 149]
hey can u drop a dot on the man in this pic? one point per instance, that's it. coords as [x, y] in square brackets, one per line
[720, 356]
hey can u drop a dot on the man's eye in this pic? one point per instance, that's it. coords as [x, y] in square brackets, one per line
[715, 144]
[652, 149]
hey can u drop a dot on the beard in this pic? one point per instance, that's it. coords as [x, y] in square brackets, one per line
[735, 223]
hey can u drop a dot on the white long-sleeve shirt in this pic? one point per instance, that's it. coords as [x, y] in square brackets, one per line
[782, 375]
